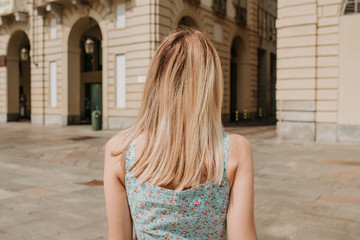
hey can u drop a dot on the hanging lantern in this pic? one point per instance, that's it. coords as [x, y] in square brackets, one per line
[24, 54]
[89, 46]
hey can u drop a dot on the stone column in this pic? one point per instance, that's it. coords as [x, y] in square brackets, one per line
[37, 71]
[297, 69]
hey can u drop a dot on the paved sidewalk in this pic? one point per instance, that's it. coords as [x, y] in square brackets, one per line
[302, 190]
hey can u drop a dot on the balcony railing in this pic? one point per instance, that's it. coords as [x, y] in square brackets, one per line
[219, 7]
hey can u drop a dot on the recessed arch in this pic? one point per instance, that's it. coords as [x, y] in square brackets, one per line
[18, 77]
[190, 16]
[84, 76]
[188, 22]
[238, 78]
[71, 17]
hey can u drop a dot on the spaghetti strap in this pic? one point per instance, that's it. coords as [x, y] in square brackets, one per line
[130, 155]
[226, 151]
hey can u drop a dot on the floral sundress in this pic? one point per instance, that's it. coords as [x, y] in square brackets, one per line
[194, 213]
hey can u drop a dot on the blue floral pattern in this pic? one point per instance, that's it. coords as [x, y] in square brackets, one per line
[194, 213]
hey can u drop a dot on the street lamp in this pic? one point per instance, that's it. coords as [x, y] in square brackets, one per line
[24, 54]
[89, 46]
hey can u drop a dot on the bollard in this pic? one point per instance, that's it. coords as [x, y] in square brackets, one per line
[96, 120]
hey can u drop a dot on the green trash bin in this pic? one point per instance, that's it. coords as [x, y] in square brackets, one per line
[96, 120]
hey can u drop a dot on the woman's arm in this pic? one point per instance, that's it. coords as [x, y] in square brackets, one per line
[240, 217]
[117, 209]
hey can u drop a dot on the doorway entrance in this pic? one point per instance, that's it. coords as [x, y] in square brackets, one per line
[92, 100]
[84, 71]
[238, 80]
[18, 78]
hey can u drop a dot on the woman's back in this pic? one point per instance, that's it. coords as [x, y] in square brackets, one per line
[183, 146]
[194, 213]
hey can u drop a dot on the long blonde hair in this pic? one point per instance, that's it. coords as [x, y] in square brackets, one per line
[181, 114]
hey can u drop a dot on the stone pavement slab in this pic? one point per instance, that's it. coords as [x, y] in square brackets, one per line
[303, 190]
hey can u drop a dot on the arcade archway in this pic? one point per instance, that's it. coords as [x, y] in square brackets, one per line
[238, 80]
[84, 70]
[18, 77]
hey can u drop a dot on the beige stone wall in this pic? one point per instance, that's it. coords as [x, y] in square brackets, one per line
[349, 62]
[310, 106]
[135, 42]
[3, 76]
[53, 49]
[132, 41]
[327, 63]
[3, 94]
[38, 78]
[296, 57]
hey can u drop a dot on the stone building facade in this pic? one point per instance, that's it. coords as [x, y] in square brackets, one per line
[317, 78]
[60, 60]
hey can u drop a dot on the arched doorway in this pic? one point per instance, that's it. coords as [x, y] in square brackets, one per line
[84, 71]
[238, 88]
[188, 22]
[18, 77]
[266, 85]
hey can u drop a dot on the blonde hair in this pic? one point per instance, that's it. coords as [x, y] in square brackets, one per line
[181, 114]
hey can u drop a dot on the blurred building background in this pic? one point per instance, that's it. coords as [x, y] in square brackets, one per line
[318, 81]
[60, 60]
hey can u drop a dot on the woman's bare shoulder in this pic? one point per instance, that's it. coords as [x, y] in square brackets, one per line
[239, 140]
[240, 214]
[115, 163]
[115, 141]
[240, 149]
[112, 146]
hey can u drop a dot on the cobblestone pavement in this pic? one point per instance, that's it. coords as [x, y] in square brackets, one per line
[49, 187]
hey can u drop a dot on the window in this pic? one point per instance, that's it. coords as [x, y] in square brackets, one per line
[53, 84]
[120, 16]
[120, 81]
[240, 12]
[266, 25]
[53, 28]
[218, 33]
[272, 28]
[262, 23]
[219, 7]
[350, 7]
